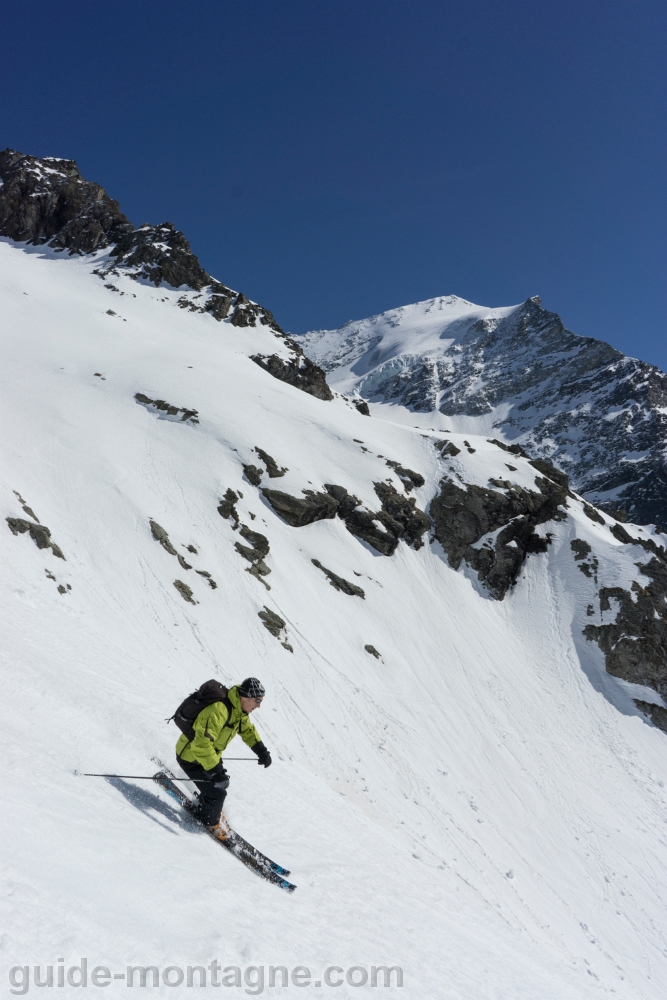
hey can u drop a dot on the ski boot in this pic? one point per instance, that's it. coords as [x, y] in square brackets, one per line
[220, 830]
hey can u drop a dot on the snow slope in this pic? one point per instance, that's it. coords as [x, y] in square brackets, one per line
[483, 806]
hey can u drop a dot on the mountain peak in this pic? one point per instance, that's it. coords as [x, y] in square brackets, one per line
[516, 373]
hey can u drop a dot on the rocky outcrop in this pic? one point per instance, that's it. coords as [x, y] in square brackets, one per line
[160, 254]
[299, 512]
[274, 470]
[409, 478]
[338, 583]
[297, 370]
[255, 552]
[656, 713]
[372, 650]
[404, 511]
[464, 515]
[635, 644]
[275, 625]
[167, 408]
[227, 507]
[39, 533]
[48, 201]
[184, 591]
[383, 529]
[253, 474]
[161, 536]
[582, 551]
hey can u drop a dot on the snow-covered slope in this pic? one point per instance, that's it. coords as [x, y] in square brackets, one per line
[519, 374]
[482, 805]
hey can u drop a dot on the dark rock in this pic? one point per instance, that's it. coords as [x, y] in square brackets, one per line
[448, 448]
[274, 471]
[462, 516]
[404, 510]
[619, 532]
[656, 713]
[184, 591]
[227, 506]
[298, 512]
[209, 579]
[168, 408]
[581, 550]
[362, 406]
[514, 449]
[381, 531]
[191, 548]
[501, 484]
[550, 470]
[259, 542]
[253, 474]
[62, 589]
[338, 582]
[407, 476]
[635, 644]
[273, 622]
[259, 569]
[254, 553]
[298, 371]
[160, 253]
[346, 501]
[30, 512]
[48, 201]
[372, 650]
[39, 533]
[161, 536]
[593, 514]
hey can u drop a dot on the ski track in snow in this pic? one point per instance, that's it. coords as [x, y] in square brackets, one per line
[483, 806]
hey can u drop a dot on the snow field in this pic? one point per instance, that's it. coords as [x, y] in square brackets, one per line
[484, 806]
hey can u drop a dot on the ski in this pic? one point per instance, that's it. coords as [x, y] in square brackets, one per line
[235, 843]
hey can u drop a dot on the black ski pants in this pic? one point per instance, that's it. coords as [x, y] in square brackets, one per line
[210, 798]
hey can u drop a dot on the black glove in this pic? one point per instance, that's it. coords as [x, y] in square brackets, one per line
[263, 755]
[218, 777]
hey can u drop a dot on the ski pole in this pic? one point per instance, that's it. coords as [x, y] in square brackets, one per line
[149, 777]
[137, 777]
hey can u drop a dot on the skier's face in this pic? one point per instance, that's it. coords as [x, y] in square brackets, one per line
[250, 704]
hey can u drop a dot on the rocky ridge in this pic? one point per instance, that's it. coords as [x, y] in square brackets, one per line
[47, 201]
[598, 415]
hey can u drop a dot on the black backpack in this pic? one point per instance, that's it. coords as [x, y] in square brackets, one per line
[206, 695]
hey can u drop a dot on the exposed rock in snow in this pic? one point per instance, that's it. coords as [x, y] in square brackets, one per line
[227, 507]
[161, 536]
[338, 583]
[184, 591]
[297, 370]
[298, 511]
[39, 533]
[272, 467]
[463, 517]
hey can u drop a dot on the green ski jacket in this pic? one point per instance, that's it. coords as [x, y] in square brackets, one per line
[214, 729]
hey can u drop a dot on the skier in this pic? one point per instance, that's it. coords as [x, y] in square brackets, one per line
[215, 727]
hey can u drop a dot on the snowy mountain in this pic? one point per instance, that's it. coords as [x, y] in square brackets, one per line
[465, 661]
[518, 374]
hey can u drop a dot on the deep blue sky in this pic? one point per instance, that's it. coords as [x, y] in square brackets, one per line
[335, 159]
